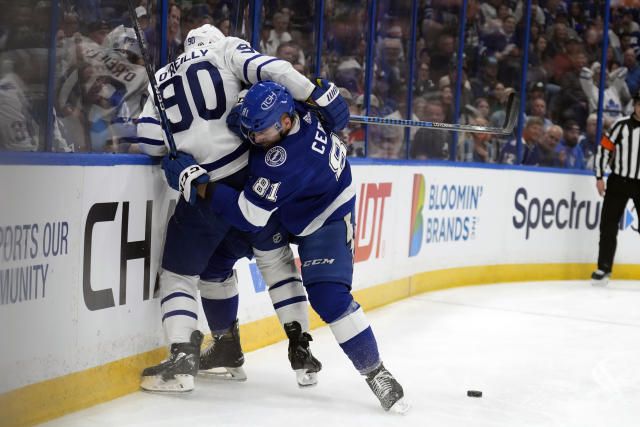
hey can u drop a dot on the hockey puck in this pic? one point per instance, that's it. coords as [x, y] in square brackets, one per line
[474, 393]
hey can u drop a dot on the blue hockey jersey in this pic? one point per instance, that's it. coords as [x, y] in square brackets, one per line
[306, 176]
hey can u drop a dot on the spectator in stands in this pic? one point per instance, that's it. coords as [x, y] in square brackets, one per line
[423, 84]
[587, 141]
[97, 31]
[633, 70]
[570, 154]
[441, 57]
[496, 98]
[23, 112]
[628, 25]
[548, 144]
[432, 144]
[539, 109]
[279, 33]
[289, 51]
[616, 93]
[476, 146]
[531, 136]
[388, 144]
[571, 102]
[559, 38]
[174, 42]
[267, 27]
[448, 103]
[592, 45]
[486, 79]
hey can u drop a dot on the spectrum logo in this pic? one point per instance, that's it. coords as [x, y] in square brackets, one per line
[446, 218]
[560, 213]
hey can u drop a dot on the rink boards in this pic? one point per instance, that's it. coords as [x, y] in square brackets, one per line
[81, 238]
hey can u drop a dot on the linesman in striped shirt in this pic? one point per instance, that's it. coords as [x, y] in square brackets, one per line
[619, 148]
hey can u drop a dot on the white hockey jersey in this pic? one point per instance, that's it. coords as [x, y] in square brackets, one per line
[199, 89]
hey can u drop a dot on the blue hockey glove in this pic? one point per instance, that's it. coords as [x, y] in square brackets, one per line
[183, 174]
[330, 104]
[233, 120]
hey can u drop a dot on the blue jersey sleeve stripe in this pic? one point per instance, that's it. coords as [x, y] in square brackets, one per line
[289, 302]
[176, 295]
[228, 158]
[245, 69]
[180, 313]
[263, 64]
[149, 141]
[148, 120]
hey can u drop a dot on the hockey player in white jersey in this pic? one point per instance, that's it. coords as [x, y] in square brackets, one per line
[198, 89]
[299, 172]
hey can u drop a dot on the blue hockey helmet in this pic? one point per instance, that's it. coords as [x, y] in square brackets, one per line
[263, 106]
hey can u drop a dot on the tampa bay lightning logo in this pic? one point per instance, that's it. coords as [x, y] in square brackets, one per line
[269, 101]
[277, 238]
[276, 156]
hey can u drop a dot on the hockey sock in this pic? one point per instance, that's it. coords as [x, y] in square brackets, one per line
[279, 272]
[355, 337]
[220, 303]
[335, 305]
[178, 306]
[290, 302]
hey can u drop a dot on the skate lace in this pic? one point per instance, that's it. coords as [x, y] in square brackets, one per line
[382, 383]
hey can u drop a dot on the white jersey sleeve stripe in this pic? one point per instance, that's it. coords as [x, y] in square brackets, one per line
[346, 195]
[254, 214]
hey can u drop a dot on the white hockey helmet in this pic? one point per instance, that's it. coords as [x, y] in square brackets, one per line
[202, 36]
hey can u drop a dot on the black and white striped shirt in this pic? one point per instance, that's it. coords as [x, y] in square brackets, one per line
[621, 146]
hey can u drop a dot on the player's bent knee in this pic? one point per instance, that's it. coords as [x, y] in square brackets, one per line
[276, 265]
[330, 300]
[219, 289]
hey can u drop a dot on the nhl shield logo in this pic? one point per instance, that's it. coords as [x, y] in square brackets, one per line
[275, 156]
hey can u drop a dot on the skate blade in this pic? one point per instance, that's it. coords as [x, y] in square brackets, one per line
[400, 407]
[600, 283]
[306, 379]
[224, 374]
[179, 384]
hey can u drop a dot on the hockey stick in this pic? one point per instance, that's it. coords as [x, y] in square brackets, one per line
[510, 120]
[157, 98]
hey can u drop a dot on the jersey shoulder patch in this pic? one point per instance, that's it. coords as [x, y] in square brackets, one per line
[275, 156]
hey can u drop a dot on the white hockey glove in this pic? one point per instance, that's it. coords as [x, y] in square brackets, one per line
[184, 174]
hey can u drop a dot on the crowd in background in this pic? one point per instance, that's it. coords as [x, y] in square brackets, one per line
[100, 81]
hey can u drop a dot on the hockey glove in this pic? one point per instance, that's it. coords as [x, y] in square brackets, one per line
[233, 121]
[183, 174]
[327, 101]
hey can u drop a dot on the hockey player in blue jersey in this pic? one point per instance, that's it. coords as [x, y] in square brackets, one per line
[299, 172]
[199, 89]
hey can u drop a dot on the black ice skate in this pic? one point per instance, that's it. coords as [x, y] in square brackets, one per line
[177, 372]
[223, 357]
[600, 278]
[302, 361]
[387, 390]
